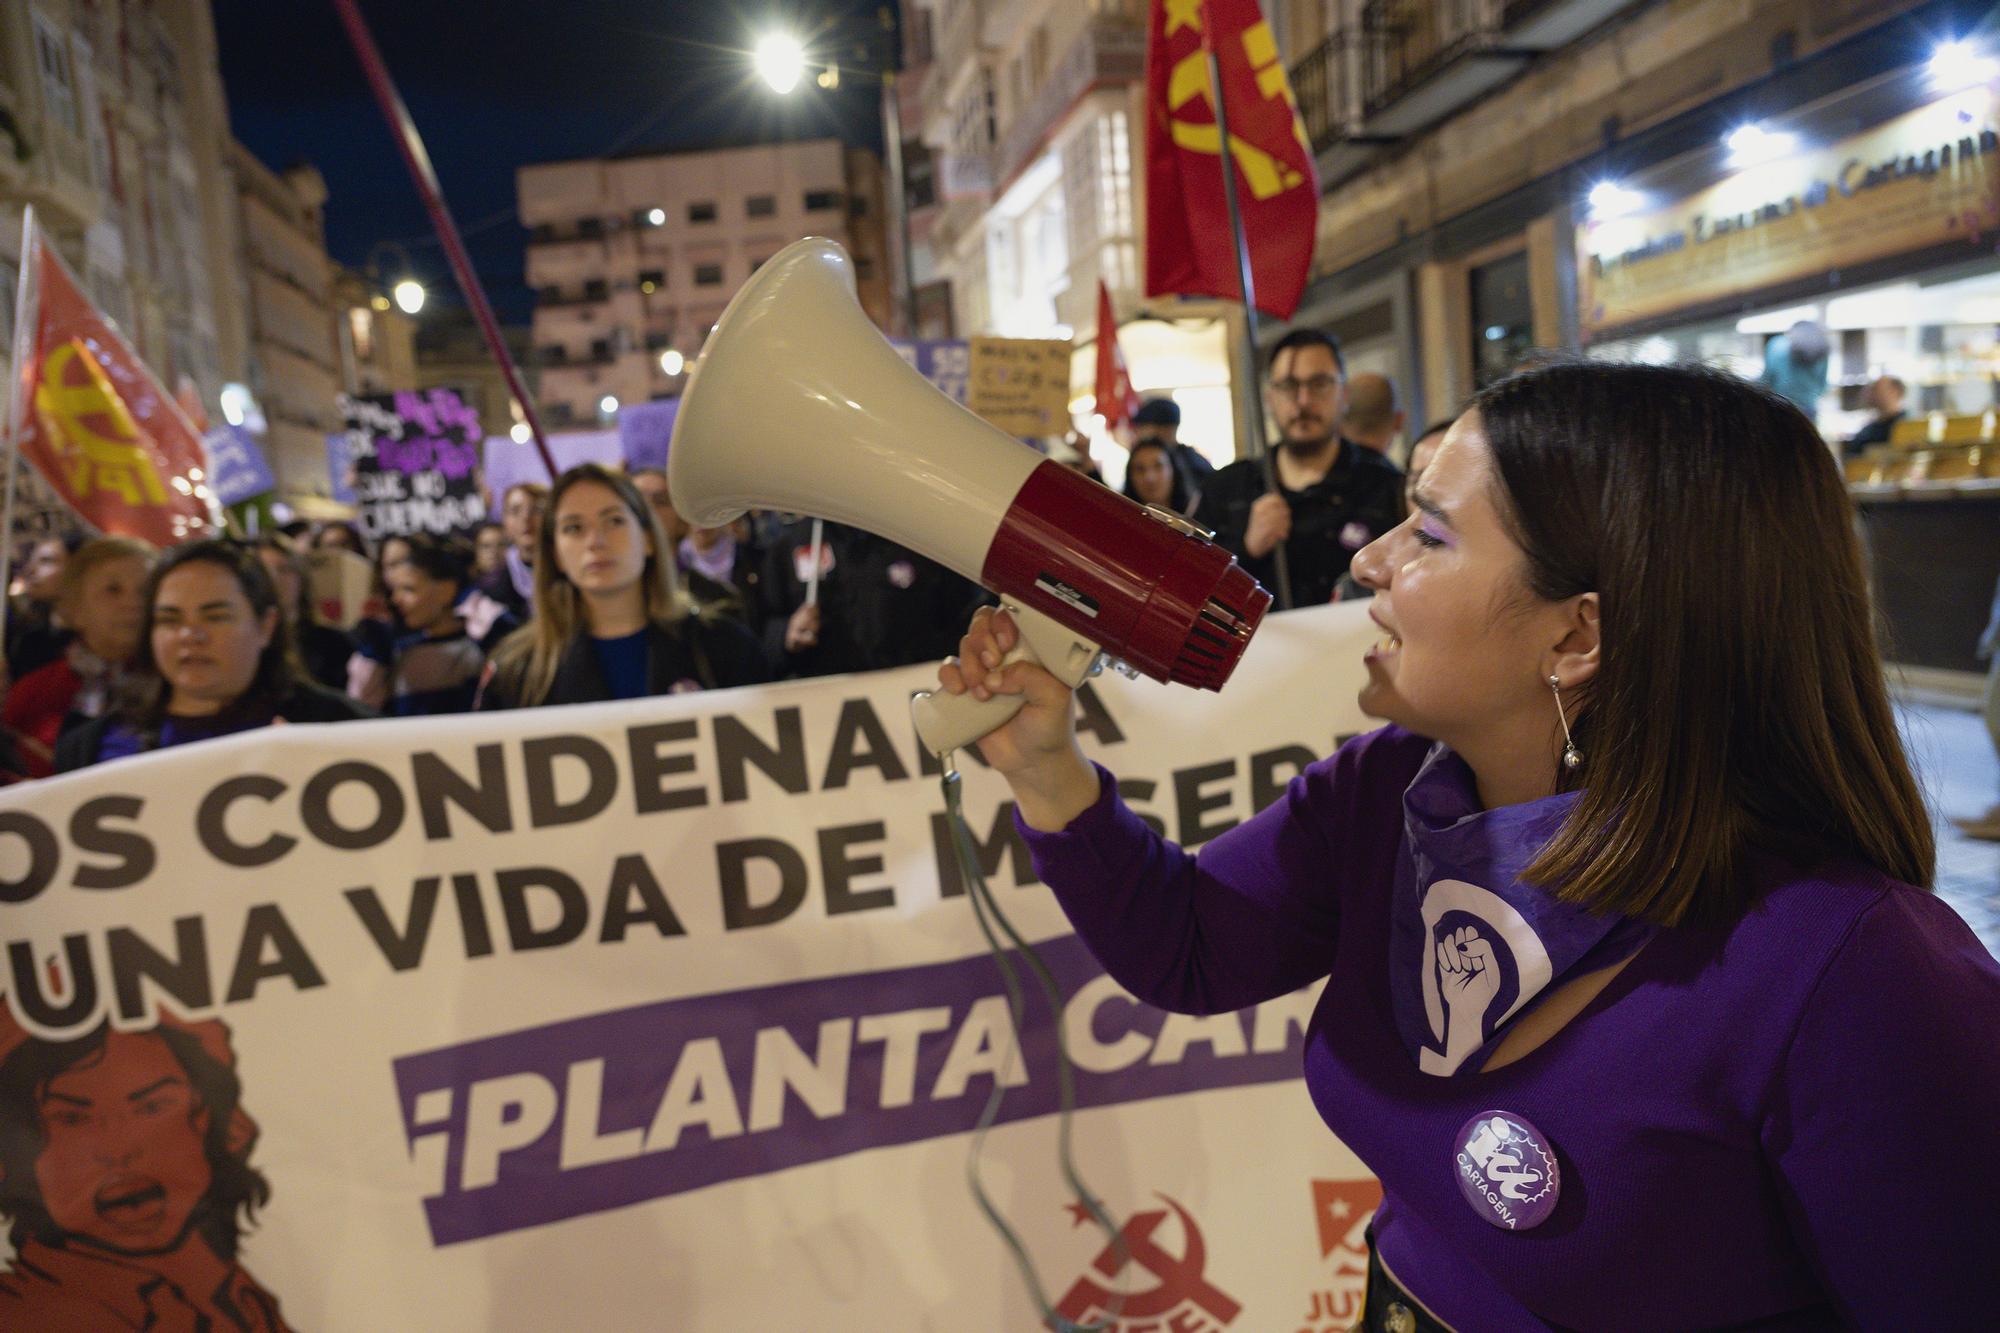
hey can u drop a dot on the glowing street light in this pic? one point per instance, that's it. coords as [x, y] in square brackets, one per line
[1609, 199]
[409, 294]
[1956, 65]
[1752, 144]
[608, 404]
[519, 433]
[780, 60]
[672, 362]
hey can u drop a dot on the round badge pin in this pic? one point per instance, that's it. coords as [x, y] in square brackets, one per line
[1506, 1169]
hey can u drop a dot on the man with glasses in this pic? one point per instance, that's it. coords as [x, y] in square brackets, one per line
[1333, 497]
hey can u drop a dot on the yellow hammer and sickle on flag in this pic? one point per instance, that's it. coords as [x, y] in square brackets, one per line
[1188, 81]
[92, 428]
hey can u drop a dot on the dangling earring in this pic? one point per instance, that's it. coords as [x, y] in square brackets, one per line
[1572, 757]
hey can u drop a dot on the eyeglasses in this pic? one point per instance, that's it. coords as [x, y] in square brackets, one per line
[1319, 386]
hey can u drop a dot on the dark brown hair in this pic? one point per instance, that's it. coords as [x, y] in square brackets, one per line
[1739, 701]
[278, 673]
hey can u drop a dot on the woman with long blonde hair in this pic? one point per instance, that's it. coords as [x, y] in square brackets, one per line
[610, 619]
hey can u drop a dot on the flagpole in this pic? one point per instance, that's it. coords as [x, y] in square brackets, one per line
[411, 145]
[1247, 281]
[24, 341]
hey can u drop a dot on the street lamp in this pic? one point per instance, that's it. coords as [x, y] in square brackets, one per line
[409, 294]
[672, 362]
[780, 59]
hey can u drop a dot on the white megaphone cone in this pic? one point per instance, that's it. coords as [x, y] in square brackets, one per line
[799, 404]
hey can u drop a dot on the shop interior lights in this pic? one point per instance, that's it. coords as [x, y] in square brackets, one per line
[1609, 199]
[1958, 64]
[1752, 144]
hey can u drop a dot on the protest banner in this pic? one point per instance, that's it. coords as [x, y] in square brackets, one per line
[508, 462]
[662, 1014]
[413, 461]
[1021, 385]
[644, 429]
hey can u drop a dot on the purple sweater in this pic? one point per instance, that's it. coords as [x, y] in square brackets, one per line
[1792, 1119]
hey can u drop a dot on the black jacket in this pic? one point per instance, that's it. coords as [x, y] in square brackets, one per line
[1359, 499]
[306, 703]
[711, 654]
[881, 605]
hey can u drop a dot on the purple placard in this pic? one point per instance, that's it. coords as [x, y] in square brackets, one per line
[645, 429]
[945, 362]
[508, 462]
[495, 1112]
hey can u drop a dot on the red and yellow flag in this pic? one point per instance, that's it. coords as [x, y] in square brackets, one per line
[98, 426]
[1189, 246]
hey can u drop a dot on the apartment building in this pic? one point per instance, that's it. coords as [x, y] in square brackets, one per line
[113, 126]
[632, 259]
[297, 374]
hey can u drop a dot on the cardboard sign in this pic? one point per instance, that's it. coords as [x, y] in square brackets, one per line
[1021, 385]
[413, 457]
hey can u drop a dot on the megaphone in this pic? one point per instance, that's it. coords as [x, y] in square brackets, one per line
[797, 403]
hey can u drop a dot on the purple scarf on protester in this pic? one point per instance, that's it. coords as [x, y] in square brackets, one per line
[522, 573]
[718, 561]
[1471, 944]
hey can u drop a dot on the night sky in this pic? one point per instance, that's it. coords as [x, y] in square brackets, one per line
[495, 86]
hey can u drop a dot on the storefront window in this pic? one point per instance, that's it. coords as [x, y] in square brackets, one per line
[1939, 334]
[1503, 317]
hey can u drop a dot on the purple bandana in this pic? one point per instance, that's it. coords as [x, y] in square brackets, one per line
[718, 561]
[1470, 944]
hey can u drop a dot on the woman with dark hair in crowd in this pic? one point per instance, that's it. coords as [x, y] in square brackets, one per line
[1155, 475]
[1637, 999]
[35, 634]
[610, 619]
[102, 602]
[522, 509]
[340, 535]
[375, 634]
[323, 650]
[434, 665]
[215, 658]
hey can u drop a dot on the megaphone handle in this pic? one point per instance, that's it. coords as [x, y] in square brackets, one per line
[947, 722]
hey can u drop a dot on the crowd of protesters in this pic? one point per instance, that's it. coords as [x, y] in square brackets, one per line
[596, 589]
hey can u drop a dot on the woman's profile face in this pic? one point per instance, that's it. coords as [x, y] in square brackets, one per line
[206, 638]
[600, 546]
[1466, 645]
[491, 549]
[284, 577]
[1152, 476]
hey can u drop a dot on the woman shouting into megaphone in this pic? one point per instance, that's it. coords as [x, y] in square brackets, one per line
[1636, 997]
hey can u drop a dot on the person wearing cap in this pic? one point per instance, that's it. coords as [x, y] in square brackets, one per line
[1160, 419]
[125, 1175]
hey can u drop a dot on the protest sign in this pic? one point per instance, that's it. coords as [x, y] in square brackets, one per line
[644, 430]
[661, 1014]
[236, 466]
[945, 362]
[508, 462]
[1021, 385]
[413, 461]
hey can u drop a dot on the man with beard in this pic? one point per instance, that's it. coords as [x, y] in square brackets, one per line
[1333, 497]
[125, 1173]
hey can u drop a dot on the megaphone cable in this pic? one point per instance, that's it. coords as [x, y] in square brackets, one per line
[986, 911]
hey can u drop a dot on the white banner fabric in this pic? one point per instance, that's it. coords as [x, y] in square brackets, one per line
[668, 1014]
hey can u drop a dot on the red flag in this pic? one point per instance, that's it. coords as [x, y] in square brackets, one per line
[105, 434]
[1116, 402]
[1189, 247]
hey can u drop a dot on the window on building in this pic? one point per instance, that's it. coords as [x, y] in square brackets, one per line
[817, 200]
[590, 229]
[1503, 317]
[595, 290]
[600, 349]
[708, 275]
[550, 295]
[702, 211]
[652, 279]
[542, 234]
[555, 355]
[919, 174]
[758, 262]
[58, 85]
[857, 206]
[761, 206]
[559, 413]
[361, 323]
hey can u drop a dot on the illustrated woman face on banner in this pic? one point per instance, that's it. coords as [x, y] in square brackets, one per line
[127, 1142]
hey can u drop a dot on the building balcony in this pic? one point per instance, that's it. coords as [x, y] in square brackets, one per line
[1107, 52]
[1327, 85]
